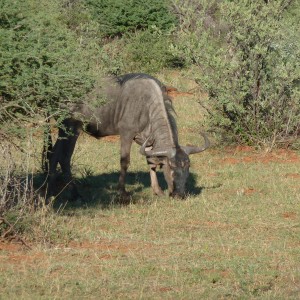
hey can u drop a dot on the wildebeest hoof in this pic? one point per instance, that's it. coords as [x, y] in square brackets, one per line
[125, 198]
[78, 200]
[177, 195]
[159, 193]
[49, 200]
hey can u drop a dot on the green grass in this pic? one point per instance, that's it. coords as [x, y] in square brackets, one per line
[237, 236]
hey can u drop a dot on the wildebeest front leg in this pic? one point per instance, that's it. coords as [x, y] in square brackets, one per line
[126, 143]
[154, 182]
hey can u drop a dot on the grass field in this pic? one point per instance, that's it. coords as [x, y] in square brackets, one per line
[237, 236]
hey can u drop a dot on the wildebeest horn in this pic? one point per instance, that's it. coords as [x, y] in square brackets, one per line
[169, 153]
[194, 149]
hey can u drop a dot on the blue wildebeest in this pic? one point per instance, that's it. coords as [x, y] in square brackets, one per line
[138, 109]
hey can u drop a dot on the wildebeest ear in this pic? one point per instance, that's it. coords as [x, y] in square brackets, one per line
[169, 152]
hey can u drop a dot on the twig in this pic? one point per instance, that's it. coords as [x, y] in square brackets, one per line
[10, 233]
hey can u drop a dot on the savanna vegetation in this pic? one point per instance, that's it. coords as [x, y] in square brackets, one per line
[237, 234]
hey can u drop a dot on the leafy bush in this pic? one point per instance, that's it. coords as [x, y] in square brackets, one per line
[150, 51]
[41, 60]
[15, 190]
[117, 17]
[249, 67]
[147, 51]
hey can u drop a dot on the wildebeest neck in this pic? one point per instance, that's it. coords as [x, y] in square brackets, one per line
[161, 128]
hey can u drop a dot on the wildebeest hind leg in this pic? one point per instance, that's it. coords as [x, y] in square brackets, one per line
[52, 173]
[65, 163]
[62, 153]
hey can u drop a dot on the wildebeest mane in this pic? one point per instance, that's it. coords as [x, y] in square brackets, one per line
[170, 113]
[121, 80]
[124, 78]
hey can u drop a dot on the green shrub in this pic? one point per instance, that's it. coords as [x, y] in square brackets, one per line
[147, 51]
[117, 17]
[249, 67]
[150, 51]
[42, 61]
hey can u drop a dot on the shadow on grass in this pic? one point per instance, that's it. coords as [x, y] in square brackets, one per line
[101, 190]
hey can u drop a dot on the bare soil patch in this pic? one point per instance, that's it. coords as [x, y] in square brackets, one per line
[17, 254]
[10, 247]
[292, 175]
[173, 92]
[245, 154]
[289, 215]
[249, 191]
[107, 245]
[111, 138]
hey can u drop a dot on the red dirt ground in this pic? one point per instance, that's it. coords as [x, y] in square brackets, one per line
[106, 245]
[292, 175]
[13, 253]
[111, 138]
[249, 191]
[289, 215]
[249, 155]
[173, 92]
[10, 247]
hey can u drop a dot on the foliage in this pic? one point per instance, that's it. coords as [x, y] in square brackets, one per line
[15, 190]
[147, 51]
[249, 66]
[150, 51]
[136, 36]
[41, 60]
[117, 17]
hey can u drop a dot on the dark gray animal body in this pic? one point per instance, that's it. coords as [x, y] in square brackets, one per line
[138, 109]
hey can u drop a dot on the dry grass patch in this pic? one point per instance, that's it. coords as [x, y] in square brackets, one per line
[236, 236]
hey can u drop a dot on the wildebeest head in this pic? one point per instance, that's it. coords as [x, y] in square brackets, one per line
[175, 163]
[176, 172]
